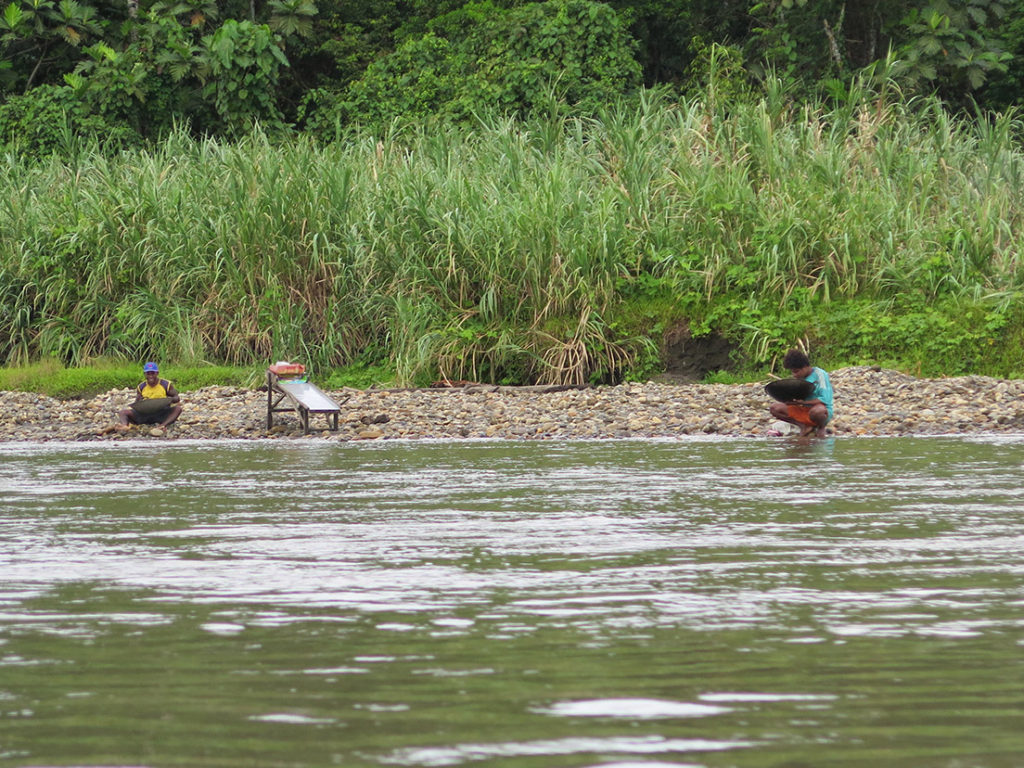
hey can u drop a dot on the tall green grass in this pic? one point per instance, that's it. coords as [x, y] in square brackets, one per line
[519, 251]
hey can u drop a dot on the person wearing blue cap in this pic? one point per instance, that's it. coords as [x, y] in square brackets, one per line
[156, 402]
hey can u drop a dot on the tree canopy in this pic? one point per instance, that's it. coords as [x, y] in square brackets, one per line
[129, 71]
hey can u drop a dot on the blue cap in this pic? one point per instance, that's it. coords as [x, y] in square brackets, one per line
[150, 367]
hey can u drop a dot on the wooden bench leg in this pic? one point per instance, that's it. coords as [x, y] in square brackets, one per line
[270, 402]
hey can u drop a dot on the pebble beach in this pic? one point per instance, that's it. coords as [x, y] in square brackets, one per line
[870, 401]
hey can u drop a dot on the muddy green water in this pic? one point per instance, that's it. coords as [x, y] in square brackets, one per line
[848, 602]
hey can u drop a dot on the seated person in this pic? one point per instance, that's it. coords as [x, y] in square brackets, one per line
[153, 387]
[814, 413]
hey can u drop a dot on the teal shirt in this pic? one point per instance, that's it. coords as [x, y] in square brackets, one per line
[822, 388]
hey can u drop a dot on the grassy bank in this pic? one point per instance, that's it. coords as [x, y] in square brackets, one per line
[49, 377]
[559, 251]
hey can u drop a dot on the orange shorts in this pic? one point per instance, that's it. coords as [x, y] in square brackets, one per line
[801, 414]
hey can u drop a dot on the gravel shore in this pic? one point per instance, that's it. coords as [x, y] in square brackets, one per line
[869, 401]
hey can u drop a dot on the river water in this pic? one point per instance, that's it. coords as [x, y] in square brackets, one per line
[624, 604]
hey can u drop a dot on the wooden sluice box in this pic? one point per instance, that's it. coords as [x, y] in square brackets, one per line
[286, 382]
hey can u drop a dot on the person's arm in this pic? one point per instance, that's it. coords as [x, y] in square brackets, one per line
[173, 393]
[817, 390]
[138, 394]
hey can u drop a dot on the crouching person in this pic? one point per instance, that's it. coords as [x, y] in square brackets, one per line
[813, 414]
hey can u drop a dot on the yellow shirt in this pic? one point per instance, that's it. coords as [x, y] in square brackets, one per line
[161, 389]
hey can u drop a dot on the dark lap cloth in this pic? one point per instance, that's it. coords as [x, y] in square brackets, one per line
[151, 418]
[801, 414]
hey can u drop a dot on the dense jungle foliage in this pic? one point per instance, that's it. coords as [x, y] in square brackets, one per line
[129, 72]
[510, 191]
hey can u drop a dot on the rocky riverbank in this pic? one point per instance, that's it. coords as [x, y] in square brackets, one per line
[869, 401]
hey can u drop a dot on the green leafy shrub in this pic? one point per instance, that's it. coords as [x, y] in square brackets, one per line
[244, 62]
[951, 46]
[949, 337]
[52, 119]
[421, 80]
[485, 59]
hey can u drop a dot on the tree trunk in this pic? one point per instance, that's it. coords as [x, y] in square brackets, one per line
[35, 69]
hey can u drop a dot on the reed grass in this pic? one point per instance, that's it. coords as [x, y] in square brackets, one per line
[508, 252]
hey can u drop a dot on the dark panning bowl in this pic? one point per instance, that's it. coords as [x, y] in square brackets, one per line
[785, 390]
[151, 405]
